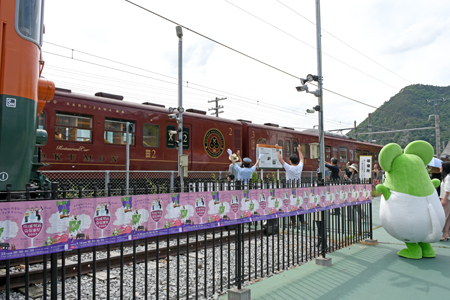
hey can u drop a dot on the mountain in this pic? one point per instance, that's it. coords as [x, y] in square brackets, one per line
[410, 109]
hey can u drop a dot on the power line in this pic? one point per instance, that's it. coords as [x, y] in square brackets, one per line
[311, 45]
[344, 42]
[172, 83]
[248, 56]
[260, 103]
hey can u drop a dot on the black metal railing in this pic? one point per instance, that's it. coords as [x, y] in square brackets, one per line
[200, 263]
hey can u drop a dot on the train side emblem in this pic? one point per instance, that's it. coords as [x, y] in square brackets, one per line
[214, 143]
[261, 141]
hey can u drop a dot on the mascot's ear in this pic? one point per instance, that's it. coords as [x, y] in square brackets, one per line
[422, 149]
[388, 154]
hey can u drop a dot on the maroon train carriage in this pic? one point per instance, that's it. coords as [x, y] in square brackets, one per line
[88, 133]
[336, 145]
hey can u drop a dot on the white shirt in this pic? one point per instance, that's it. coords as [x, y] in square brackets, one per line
[445, 186]
[232, 170]
[293, 172]
[245, 173]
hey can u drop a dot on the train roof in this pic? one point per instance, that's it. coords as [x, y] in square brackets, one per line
[113, 100]
[117, 100]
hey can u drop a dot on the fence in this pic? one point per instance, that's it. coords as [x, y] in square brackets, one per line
[193, 264]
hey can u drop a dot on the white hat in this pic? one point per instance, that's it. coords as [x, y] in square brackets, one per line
[354, 167]
[234, 157]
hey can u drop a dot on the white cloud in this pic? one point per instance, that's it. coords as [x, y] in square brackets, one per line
[10, 230]
[406, 39]
[173, 212]
[213, 208]
[57, 224]
[122, 217]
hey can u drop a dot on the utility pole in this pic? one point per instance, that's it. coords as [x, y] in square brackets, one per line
[370, 128]
[436, 124]
[180, 104]
[217, 112]
[319, 86]
[356, 133]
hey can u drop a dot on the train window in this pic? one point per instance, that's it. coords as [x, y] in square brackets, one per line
[335, 152]
[327, 153]
[376, 156]
[294, 147]
[304, 148]
[288, 148]
[358, 154]
[41, 121]
[29, 20]
[74, 128]
[280, 143]
[170, 138]
[150, 135]
[371, 154]
[116, 132]
[343, 154]
[350, 151]
[365, 152]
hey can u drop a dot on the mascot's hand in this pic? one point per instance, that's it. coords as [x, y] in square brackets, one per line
[384, 190]
[436, 182]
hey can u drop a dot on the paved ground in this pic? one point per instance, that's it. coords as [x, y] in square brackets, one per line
[364, 272]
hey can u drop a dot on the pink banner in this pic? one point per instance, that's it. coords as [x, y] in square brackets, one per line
[30, 228]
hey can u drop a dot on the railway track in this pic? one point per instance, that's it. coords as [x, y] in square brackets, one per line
[71, 269]
[113, 247]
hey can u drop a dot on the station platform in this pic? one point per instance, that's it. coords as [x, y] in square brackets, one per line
[363, 272]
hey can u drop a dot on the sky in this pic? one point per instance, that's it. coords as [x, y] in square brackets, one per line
[371, 49]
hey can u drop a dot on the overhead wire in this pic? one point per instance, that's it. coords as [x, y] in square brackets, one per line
[363, 103]
[248, 56]
[324, 53]
[351, 47]
[258, 102]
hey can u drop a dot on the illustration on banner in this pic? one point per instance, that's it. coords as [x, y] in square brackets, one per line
[32, 223]
[217, 209]
[102, 216]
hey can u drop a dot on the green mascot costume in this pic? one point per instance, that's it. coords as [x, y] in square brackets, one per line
[410, 209]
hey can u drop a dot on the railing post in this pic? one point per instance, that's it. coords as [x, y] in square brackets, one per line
[46, 193]
[53, 259]
[64, 187]
[8, 262]
[27, 192]
[94, 187]
[171, 181]
[122, 189]
[322, 233]
[8, 192]
[239, 263]
[107, 178]
[80, 191]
